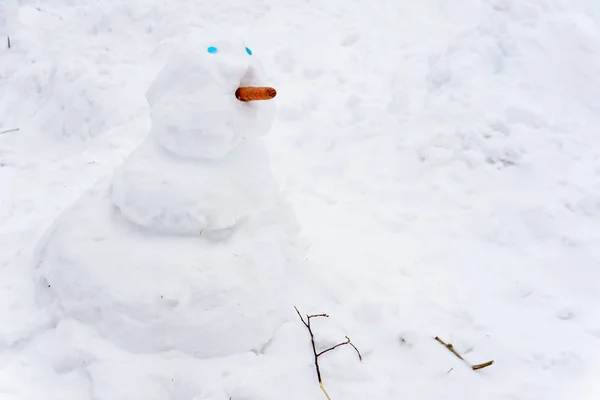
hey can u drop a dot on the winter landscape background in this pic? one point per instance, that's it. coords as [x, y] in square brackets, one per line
[442, 158]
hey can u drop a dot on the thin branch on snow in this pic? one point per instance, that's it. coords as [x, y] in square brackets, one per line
[449, 347]
[8, 38]
[474, 367]
[314, 348]
[8, 131]
[342, 344]
[482, 365]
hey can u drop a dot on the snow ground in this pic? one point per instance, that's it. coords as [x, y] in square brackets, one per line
[442, 158]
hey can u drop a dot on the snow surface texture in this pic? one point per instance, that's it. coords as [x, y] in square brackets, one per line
[9, 12]
[441, 157]
[181, 253]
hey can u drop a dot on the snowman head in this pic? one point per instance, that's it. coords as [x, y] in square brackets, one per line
[209, 96]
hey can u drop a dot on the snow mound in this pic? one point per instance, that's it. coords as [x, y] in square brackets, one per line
[77, 103]
[188, 245]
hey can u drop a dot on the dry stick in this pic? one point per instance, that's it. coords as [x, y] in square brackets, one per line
[8, 38]
[342, 344]
[8, 131]
[450, 347]
[314, 348]
[483, 365]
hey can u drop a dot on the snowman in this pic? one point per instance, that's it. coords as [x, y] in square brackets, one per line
[187, 245]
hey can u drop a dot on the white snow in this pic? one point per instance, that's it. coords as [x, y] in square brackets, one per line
[442, 159]
[9, 13]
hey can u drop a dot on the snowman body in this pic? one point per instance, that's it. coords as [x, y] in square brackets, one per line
[186, 247]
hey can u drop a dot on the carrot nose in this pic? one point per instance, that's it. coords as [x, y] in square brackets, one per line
[250, 93]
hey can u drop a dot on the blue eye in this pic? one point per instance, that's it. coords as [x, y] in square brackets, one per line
[212, 49]
[248, 51]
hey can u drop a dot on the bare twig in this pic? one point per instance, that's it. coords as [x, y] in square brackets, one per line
[314, 348]
[357, 352]
[342, 344]
[450, 347]
[9, 131]
[480, 366]
[8, 38]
